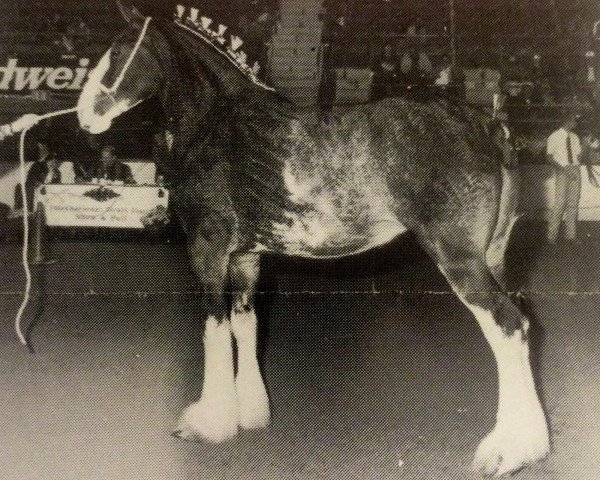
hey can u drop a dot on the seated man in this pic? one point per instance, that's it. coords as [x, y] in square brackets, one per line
[43, 171]
[83, 170]
[111, 169]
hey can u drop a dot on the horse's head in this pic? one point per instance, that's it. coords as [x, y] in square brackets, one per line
[128, 73]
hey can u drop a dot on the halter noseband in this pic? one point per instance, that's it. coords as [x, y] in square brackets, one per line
[119, 79]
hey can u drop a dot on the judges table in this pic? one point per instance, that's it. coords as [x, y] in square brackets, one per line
[102, 206]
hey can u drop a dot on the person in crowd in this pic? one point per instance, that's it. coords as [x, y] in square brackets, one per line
[563, 150]
[385, 75]
[449, 78]
[444, 78]
[83, 171]
[45, 170]
[111, 169]
[416, 68]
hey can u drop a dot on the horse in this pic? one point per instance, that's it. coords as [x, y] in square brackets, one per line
[248, 176]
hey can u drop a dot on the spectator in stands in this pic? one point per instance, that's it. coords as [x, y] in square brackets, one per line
[449, 78]
[45, 170]
[83, 171]
[416, 68]
[416, 32]
[385, 75]
[111, 169]
[563, 151]
[444, 78]
[79, 32]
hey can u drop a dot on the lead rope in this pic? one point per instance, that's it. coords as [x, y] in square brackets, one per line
[107, 91]
[25, 257]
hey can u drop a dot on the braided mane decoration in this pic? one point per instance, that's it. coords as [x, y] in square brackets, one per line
[200, 28]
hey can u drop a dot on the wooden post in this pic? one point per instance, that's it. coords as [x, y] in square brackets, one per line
[39, 243]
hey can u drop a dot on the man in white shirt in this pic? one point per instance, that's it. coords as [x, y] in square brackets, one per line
[564, 153]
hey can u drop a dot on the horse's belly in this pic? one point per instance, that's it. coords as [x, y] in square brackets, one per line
[321, 236]
[340, 209]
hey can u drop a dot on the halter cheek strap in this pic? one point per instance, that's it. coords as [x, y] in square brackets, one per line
[136, 47]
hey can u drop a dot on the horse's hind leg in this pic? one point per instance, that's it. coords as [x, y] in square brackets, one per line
[252, 399]
[520, 436]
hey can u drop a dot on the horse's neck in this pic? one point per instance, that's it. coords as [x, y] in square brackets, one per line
[188, 112]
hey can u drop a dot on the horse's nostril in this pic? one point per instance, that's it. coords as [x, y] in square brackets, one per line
[102, 104]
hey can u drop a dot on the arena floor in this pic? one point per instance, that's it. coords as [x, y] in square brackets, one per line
[364, 370]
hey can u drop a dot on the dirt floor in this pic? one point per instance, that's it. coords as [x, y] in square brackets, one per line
[364, 369]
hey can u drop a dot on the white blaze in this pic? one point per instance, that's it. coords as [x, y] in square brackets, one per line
[92, 93]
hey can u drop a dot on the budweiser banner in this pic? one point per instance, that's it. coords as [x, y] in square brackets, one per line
[109, 206]
[19, 75]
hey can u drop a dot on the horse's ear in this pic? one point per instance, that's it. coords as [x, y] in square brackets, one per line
[130, 13]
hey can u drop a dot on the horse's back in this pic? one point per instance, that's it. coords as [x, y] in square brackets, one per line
[434, 157]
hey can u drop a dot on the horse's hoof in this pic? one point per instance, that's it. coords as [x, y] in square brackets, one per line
[215, 425]
[255, 417]
[253, 404]
[503, 453]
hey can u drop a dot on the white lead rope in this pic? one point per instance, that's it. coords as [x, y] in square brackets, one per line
[34, 121]
[25, 252]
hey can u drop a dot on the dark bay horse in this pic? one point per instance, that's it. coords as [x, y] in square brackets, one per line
[248, 177]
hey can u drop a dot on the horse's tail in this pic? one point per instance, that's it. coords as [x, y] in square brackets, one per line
[504, 140]
[508, 204]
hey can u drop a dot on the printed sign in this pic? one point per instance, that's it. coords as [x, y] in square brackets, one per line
[18, 78]
[106, 206]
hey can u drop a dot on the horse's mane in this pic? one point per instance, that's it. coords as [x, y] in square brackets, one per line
[246, 126]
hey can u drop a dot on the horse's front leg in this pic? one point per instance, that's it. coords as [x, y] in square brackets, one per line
[253, 402]
[213, 417]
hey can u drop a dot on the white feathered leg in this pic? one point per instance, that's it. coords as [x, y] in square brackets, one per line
[214, 416]
[252, 398]
[520, 436]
